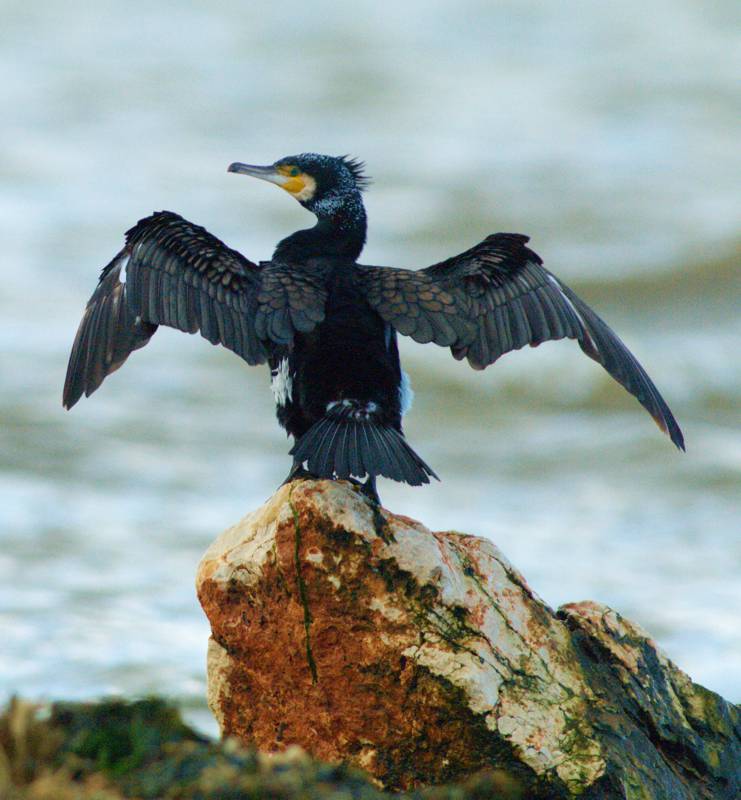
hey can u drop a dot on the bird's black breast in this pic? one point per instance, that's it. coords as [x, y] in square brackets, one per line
[352, 354]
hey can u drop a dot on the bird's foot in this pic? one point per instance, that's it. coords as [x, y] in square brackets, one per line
[380, 523]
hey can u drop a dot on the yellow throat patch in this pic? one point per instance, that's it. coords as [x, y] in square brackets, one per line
[298, 184]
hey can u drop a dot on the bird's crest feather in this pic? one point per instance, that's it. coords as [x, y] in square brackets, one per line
[357, 169]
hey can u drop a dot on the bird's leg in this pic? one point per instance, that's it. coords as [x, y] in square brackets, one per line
[297, 473]
[368, 488]
[382, 528]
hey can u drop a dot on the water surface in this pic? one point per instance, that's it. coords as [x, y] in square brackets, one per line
[608, 133]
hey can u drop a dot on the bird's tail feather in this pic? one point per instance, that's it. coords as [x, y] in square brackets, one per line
[351, 440]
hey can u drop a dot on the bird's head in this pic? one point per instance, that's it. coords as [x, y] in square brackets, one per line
[322, 184]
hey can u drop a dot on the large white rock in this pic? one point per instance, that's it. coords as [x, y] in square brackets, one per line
[430, 657]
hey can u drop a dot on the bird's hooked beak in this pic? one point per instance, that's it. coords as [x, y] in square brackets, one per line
[296, 182]
[270, 173]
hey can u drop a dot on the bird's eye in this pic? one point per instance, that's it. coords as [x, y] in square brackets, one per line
[294, 172]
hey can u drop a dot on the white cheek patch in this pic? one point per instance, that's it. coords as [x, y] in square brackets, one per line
[281, 383]
[406, 394]
[308, 191]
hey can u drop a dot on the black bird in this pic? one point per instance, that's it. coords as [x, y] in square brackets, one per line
[327, 325]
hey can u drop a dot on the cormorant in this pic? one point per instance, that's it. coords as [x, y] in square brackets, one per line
[327, 325]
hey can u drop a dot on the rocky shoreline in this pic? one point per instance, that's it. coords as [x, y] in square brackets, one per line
[348, 665]
[115, 749]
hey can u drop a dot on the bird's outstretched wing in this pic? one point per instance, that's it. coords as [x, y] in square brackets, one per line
[497, 297]
[172, 272]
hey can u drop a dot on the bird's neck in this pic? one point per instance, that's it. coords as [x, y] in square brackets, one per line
[339, 232]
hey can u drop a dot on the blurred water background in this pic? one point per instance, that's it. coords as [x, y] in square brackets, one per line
[608, 132]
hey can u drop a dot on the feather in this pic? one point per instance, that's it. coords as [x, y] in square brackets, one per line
[497, 297]
[341, 462]
[354, 460]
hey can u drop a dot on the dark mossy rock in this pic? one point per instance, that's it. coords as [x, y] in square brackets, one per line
[143, 749]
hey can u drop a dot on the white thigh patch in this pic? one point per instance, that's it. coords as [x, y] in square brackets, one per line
[122, 264]
[281, 383]
[406, 394]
